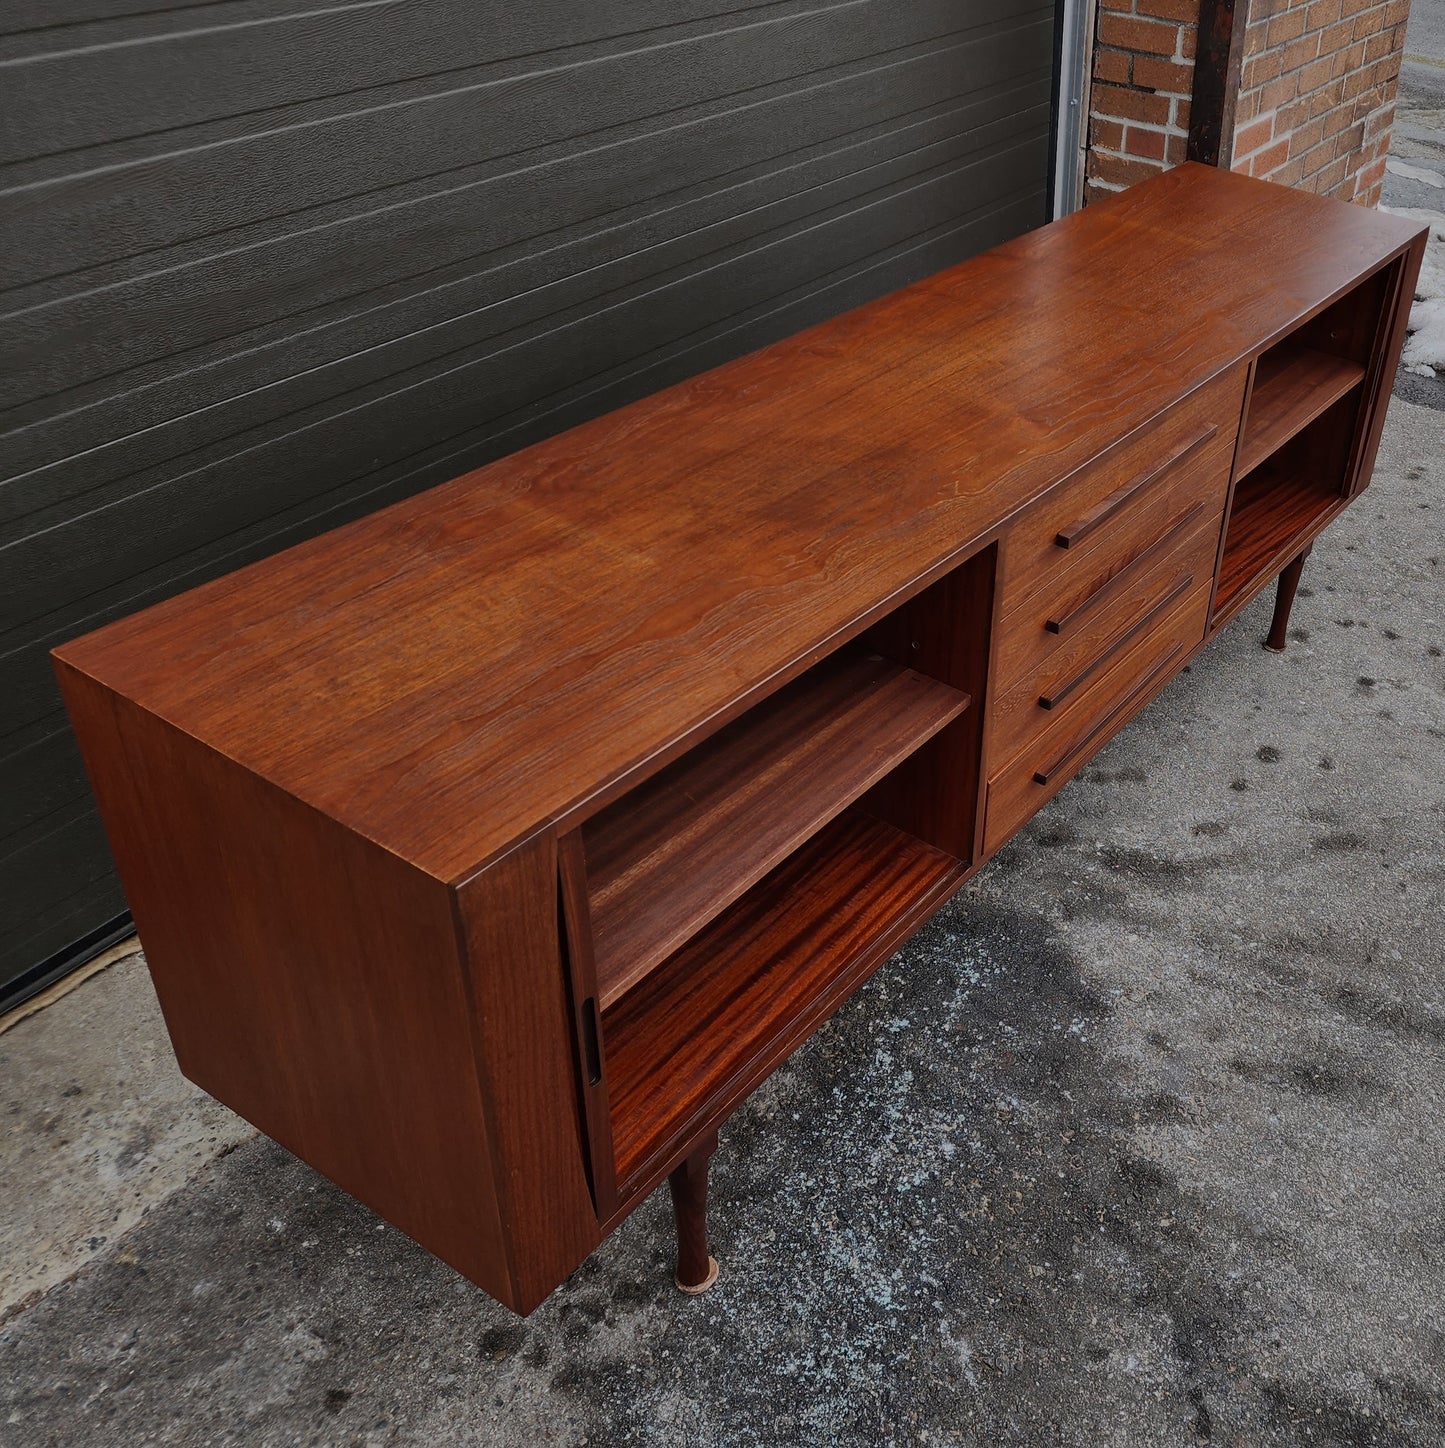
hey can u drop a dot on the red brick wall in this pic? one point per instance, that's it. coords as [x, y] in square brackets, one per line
[1143, 74]
[1315, 104]
[1317, 94]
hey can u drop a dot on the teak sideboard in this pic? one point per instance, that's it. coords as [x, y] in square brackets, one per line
[488, 851]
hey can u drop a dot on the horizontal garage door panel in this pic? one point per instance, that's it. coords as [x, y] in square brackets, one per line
[138, 205]
[215, 392]
[293, 54]
[266, 269]
[404, 255]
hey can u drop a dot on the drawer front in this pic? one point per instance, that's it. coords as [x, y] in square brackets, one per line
[1051, 653]
[1076, 592]
[1094, 522]
[1102, 706]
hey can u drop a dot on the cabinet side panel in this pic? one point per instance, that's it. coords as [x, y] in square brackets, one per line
[309, 979]
[527, 1062]
[1380, 381]
[943, 632]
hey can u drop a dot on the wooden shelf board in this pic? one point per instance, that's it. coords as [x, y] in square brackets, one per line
[1292, 386]
[670, 855]
[1274, 513]
[695, 1037]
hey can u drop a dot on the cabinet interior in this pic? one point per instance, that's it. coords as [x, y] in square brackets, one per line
[1298, 452]
[737, 895]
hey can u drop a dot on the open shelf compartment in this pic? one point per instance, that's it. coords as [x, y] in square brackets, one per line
[693, 1039]
[1279, 505]
[717, 911]
[1298, 455]
[1274, 509]
[670, 855]
[1293, 384]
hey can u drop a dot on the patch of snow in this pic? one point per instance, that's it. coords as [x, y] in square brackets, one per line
[1424, 352]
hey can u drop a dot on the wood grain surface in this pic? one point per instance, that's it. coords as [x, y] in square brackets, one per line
[1275, 511]
[667, 857]
[1292, 386]
[309, 980]
[1178, 465]
[946, 633]
[509, 649]
[508, 924]
[1072, 735]
[692, 1041]
[1050, 674]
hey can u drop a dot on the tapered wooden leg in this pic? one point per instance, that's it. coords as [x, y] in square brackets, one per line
[696, 1270]
[1283, 602]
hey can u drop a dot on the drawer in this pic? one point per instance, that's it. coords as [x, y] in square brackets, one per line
[1094, 521]
[1077, 591]
[1054, 648]
[1104, 705]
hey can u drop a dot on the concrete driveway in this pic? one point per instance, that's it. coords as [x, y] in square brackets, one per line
[1415, 182]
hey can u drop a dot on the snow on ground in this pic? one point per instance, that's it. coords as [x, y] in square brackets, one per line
[1424, 352]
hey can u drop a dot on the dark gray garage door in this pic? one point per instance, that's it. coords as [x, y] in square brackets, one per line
[268, 265]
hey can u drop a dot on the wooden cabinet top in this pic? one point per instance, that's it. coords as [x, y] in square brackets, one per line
[501, 652]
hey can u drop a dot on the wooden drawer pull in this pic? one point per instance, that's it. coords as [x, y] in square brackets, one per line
[1134, 565]
[1099, 724]
[1052, 701]
[1122, 497]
